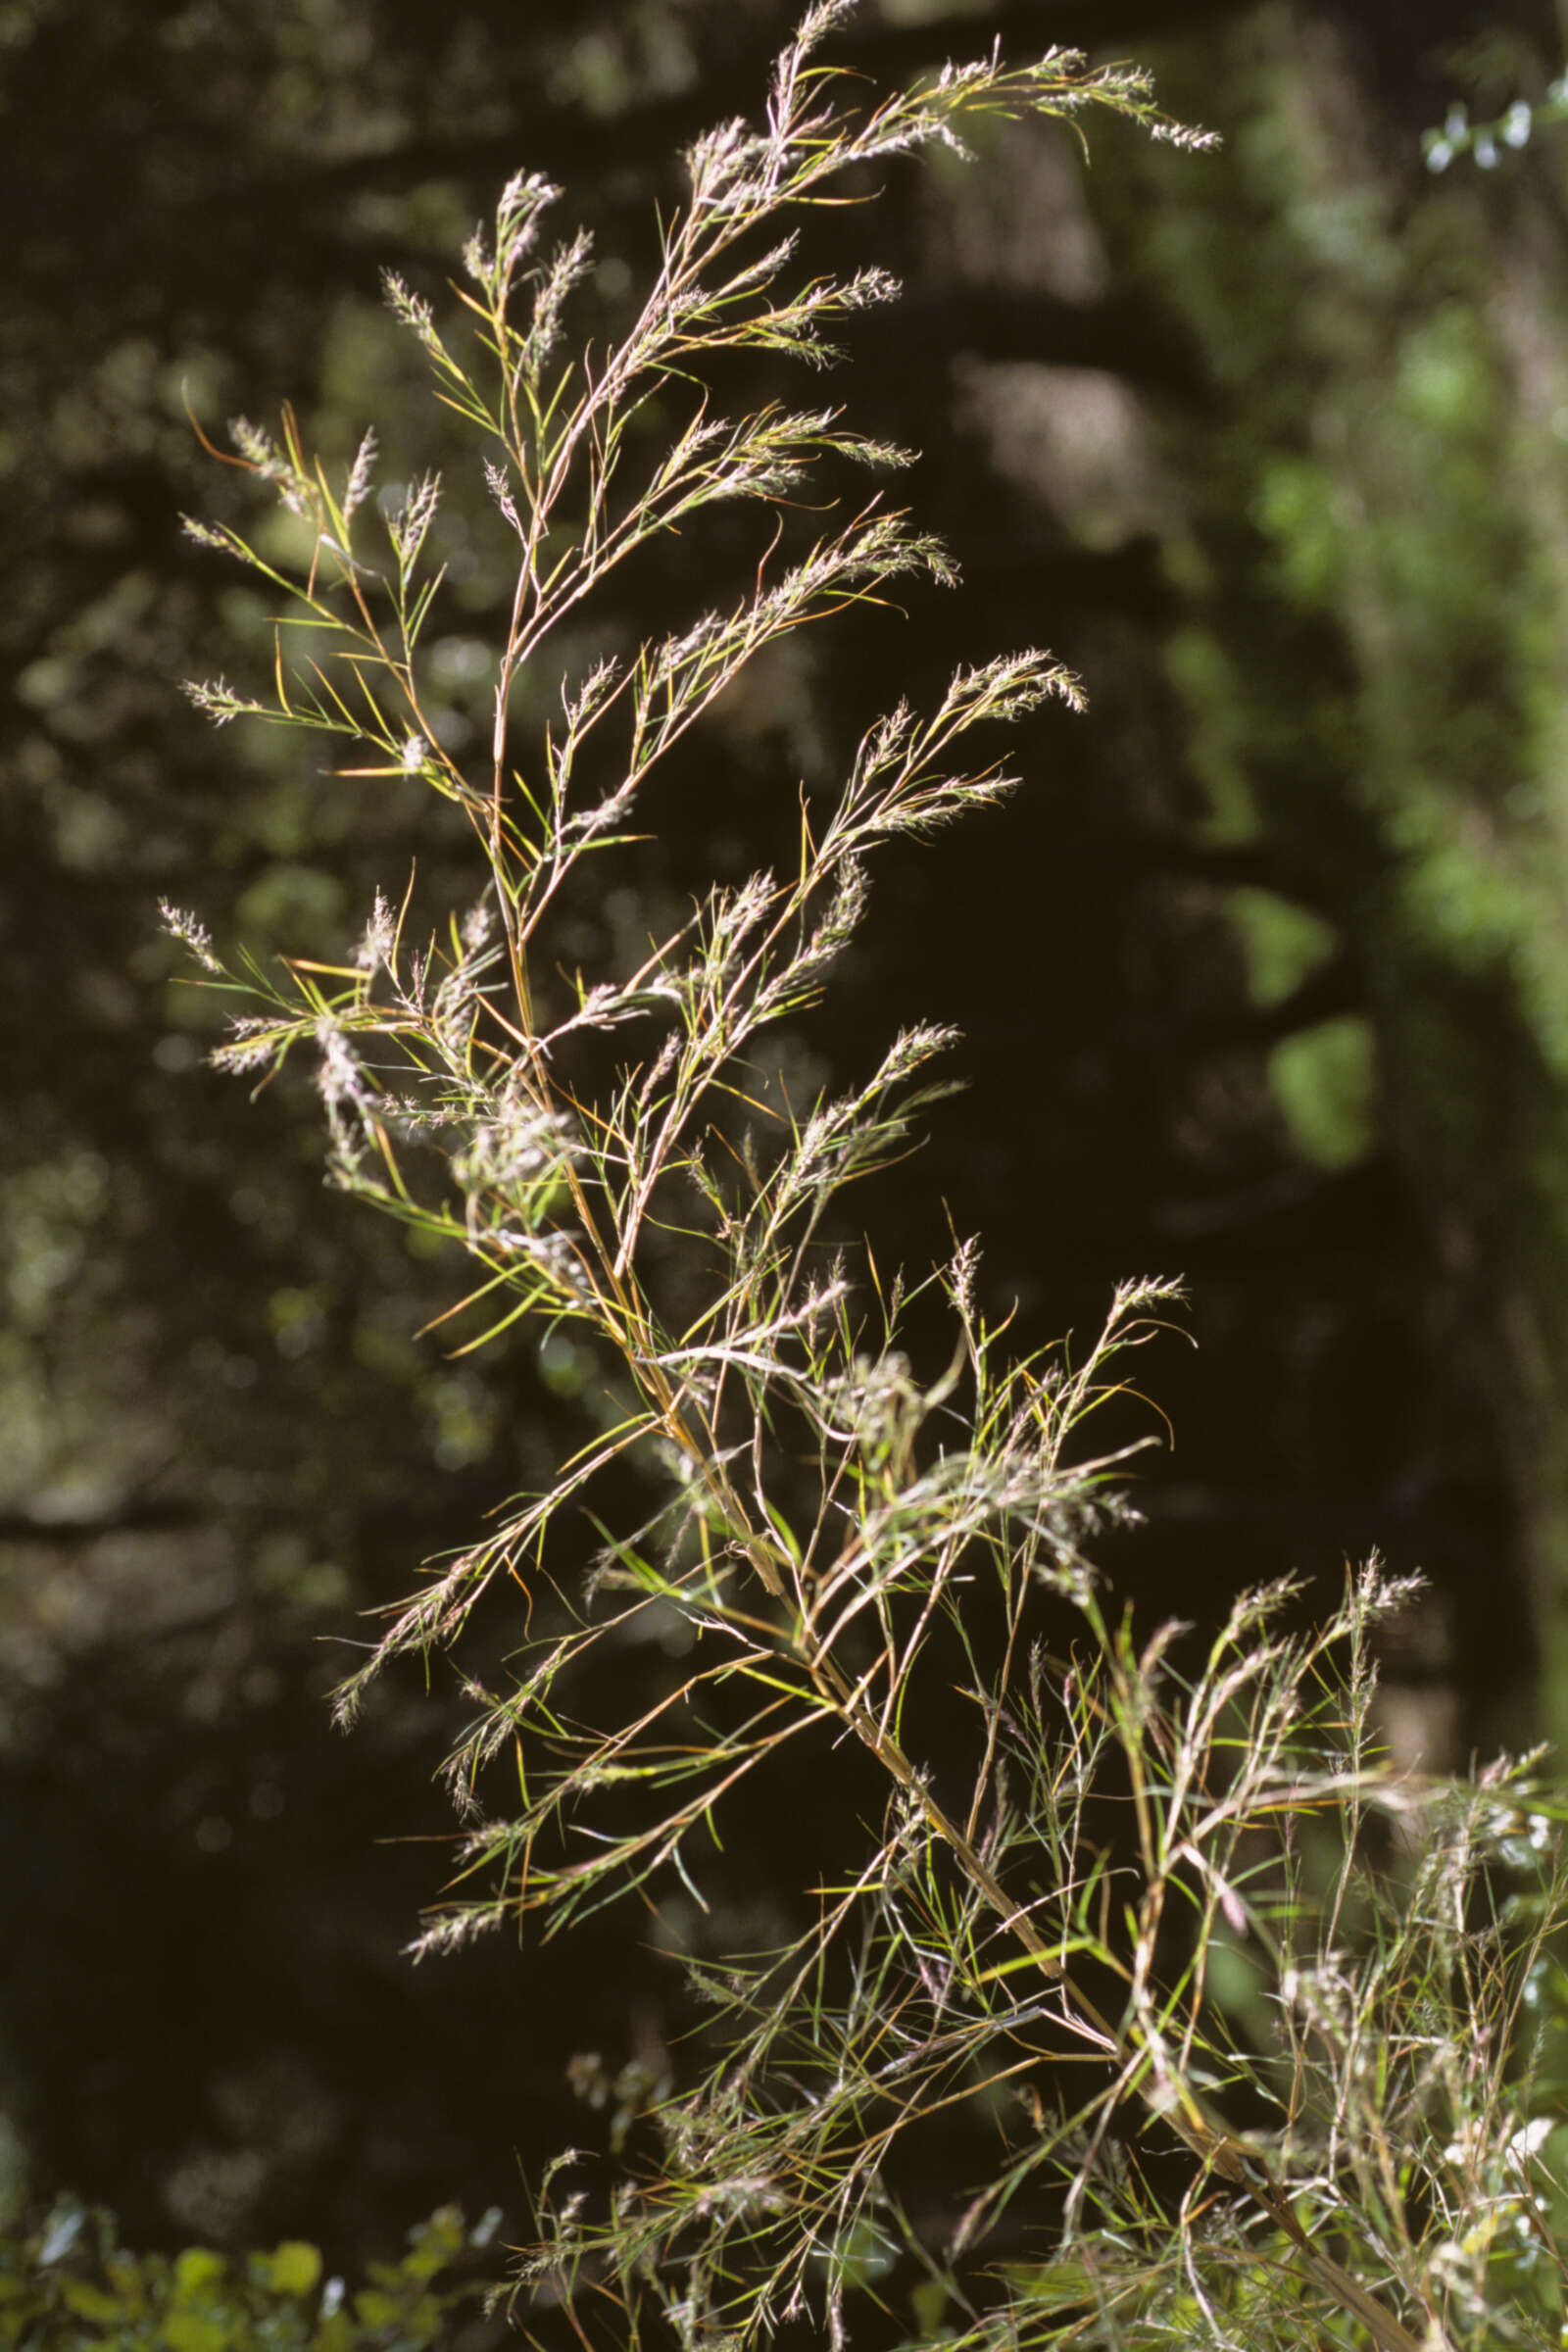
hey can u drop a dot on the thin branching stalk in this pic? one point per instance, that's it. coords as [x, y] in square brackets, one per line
[827, 1528]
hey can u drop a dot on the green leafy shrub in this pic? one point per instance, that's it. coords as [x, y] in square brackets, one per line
[1232, 2011]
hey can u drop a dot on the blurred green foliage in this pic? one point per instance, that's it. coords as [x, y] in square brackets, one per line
[1373, 656]
[72, 2287]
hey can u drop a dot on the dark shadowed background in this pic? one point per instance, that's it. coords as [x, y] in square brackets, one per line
[1263, 971]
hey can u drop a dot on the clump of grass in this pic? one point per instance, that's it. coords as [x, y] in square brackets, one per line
[1180, 1910]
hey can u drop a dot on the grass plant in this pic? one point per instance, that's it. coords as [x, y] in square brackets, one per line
[1244, 2014]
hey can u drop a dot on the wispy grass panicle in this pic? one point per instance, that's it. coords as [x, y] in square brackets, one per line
[1229, 2014]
